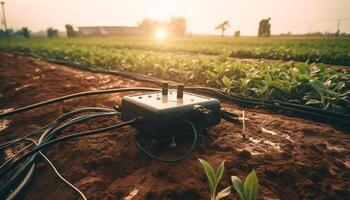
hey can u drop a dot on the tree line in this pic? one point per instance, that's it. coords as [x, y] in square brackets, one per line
[175, 26]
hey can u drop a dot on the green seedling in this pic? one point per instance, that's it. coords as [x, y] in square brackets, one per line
[247, 190]
[213, 180]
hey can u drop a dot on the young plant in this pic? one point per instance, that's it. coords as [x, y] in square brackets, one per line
[213, 180]
[247, 190]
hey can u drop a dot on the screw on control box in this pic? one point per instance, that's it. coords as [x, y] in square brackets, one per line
[165, 113]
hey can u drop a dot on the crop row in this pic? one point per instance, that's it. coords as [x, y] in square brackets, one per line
[309, 84]
[330, 51]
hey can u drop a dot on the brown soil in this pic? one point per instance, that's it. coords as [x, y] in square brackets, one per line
[294, 158]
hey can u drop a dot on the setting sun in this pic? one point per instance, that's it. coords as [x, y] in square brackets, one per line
[161, 33]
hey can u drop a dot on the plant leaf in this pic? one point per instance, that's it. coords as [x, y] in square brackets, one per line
[345, 94]
[313, 102]
[238, 185]
[209, 171]
[219, 171]
[251, 186]
[223, 193]
[226, 81]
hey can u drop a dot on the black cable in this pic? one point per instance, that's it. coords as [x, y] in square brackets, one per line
[15, 192]
[296, 108]
[29, 162]
[229, 118]
[72, 96]
[341, 118]
[59, 119]
[14, 156]
[62, 139]
[53, 131]
[195, 139]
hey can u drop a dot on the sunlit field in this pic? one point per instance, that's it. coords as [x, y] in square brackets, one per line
[324, 50]
[174, 99]
[285, 69]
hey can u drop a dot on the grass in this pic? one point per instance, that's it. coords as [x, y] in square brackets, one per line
[208, 61]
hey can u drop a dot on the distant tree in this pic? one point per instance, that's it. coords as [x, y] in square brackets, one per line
[2, 33]
[177, 26]
[222, 27]
[23, 32]
[26, 32]
[237, 34]
[148, 26]
[264, 28]
[52, 33]
[70, 31]
[10, 31]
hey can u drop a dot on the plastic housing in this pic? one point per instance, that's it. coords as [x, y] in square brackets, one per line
[165, 115]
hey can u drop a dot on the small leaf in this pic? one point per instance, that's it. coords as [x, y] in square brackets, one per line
[345, 94]
[223, 193]
[238, 185]
[211, 74]
[209, 171]
[219, 171]
[313, 102]
[226, 81]
[251, 186]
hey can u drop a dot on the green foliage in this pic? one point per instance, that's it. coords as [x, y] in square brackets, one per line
[247, 190]
[315, 85]
[70, 30]
[23, 32]
[214, 179]
[52, 33]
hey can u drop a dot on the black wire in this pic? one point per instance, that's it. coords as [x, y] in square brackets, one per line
[53, 131]
[29, 162]
[195, 139]
[59, 119]
[340, 118]
[62, 139]
[72, 96]
[48, 134]
[15, 192]
[296, 108]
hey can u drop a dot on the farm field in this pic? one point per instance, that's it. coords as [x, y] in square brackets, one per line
[294, 158]
[174, 100]
[297, 74]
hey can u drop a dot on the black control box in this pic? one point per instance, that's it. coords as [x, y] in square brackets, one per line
[165, 113]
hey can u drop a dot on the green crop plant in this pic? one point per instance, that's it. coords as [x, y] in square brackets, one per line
[205, 61]
[247, 190]
[214, 179]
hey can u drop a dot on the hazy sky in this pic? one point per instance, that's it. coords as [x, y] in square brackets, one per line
[297, 16]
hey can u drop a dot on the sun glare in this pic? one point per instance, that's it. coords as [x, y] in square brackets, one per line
[161, 34]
